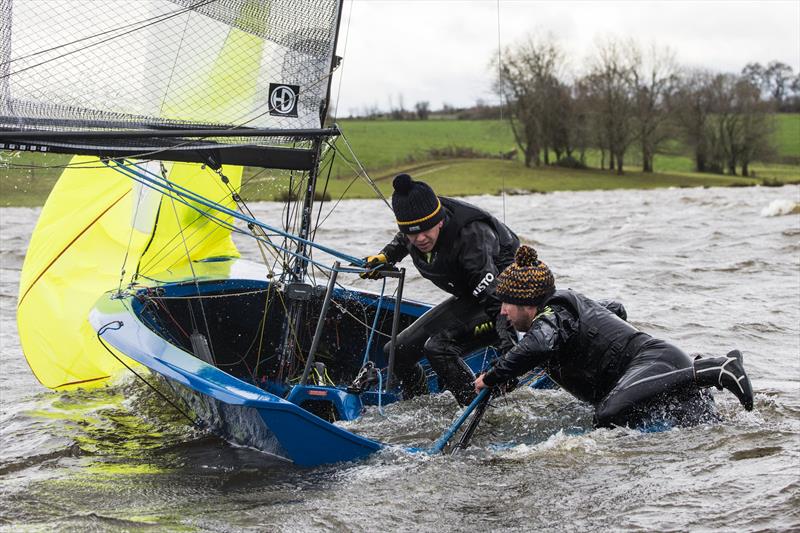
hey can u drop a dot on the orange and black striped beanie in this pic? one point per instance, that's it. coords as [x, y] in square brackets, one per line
[526, 281]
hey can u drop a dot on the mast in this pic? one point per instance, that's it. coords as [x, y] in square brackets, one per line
[297, 291]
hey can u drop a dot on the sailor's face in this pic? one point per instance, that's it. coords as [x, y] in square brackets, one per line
[520, 316]
[424, 241]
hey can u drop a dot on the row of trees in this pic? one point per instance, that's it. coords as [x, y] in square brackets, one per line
[481, 110]
[633, 99]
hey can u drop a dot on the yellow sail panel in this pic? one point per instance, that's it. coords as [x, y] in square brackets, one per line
[223, 90]
[181, 227]
[84, 235]
[75, 254]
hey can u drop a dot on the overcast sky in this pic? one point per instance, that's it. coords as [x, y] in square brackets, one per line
[439, 50]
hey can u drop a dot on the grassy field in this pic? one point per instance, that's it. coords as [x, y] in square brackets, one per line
[787, 137]
[26, 178]
[481, 176]
[456, 157]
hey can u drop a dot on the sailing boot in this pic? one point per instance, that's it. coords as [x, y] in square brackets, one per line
[454, 375]
[725, 372]
[413, 381]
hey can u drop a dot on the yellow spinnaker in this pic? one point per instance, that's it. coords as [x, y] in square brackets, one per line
[77, 250]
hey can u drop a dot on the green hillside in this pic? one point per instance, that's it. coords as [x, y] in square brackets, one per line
[458, 157]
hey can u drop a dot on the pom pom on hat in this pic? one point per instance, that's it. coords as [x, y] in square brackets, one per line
[416, 206]
[402, 183]
[526, 281]
[526, 256]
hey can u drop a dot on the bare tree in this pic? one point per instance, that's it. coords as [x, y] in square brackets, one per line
[692, 105]
[609, 84]
[755, 125]
[756, 74]
[779, 78]
[725, 119]
[793, 100]
[654, 80]
[528, 82]
[423, 110]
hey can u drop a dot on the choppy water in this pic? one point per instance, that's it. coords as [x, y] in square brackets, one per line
[709, 269]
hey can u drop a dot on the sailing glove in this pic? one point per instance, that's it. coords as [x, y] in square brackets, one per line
[374, 263]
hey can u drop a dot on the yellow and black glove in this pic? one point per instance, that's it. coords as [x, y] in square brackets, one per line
[374, 263]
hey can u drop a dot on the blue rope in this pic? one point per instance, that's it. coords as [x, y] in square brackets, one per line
[374, 324]
[166, 190]
[175, 188]
[161, 189]
[380, 393]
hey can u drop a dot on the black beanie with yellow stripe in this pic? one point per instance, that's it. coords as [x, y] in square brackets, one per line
[526, 281]
[416, 206]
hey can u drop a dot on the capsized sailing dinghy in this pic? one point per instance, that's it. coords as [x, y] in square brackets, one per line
[132, 265]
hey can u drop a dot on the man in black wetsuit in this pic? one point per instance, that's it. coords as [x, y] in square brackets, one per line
[589, 349]
[461, 249]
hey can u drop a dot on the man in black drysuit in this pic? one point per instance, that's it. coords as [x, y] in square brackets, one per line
[461, 249]
[589, 349]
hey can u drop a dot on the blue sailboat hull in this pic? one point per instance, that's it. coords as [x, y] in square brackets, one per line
[234, 408]
[231, 407]
[244, 406]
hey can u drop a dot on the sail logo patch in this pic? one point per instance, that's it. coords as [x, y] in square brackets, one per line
[283, 99]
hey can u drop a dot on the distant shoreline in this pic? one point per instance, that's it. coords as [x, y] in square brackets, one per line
[457, 158]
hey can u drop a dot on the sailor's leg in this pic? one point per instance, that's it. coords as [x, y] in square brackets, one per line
[725, 372]
[445, 348]
[410, 348]
[658, 369]
[444, 354]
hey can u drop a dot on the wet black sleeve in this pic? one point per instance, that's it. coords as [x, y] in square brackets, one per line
[615, 307]
[479, 246]
[548, 334]
[397, 249]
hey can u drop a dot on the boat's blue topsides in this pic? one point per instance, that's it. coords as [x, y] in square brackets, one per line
[242, 400]
[303, 437]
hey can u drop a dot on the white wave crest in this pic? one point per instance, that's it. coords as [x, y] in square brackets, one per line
[781, 207]
[560, 441]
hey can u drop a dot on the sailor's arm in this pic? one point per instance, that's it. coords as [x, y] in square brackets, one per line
[615, 307]
[535, 348]
[393, 252]
[397, 248]
[480, 246]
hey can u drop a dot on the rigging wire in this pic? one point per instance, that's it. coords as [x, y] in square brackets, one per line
[174, 64]
[344, 54]
[130, 239]
[374, 324]
[356, 176]
[186, 196]
[152, 21]
[364, 173]
[194, 421]
[196, 282]
[173, 243]
[500, 86]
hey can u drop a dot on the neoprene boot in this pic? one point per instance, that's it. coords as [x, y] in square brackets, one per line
[725, 372]
[454, 375]
[413, 381]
